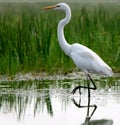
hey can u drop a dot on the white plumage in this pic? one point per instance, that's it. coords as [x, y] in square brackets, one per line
[84, 58]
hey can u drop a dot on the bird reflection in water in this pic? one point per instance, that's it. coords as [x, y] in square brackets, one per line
[89, 115]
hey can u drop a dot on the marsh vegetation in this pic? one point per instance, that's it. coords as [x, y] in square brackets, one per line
[28, 40]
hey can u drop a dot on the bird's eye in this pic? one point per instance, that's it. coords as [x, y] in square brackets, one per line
[58, 5]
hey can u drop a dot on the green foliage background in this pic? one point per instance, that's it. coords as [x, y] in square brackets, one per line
[28, 39]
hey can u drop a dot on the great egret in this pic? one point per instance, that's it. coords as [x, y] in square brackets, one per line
[84, 58]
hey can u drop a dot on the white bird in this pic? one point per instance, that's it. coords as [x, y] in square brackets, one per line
[84, 58]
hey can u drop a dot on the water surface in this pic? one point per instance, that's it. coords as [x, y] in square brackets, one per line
[51, 102]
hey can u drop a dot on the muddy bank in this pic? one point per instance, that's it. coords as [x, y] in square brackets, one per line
[45, 76]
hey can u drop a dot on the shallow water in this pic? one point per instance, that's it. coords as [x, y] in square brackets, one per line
[51, 102]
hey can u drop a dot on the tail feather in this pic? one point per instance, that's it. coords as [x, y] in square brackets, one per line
[107, 71]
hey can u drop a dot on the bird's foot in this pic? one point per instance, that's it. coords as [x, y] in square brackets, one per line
[75, 89]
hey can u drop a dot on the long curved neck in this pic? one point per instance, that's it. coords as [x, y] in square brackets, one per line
[60, 32]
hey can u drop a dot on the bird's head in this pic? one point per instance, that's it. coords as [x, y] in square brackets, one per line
[59, 6]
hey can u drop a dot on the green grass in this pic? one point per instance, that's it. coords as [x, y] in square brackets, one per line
[28, 39]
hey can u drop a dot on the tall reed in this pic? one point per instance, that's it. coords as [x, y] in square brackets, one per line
[28, 40]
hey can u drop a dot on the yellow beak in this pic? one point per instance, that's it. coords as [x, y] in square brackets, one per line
[49, 7]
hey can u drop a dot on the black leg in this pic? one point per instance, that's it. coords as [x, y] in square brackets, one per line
[76, 88]
[89, 115]
[94, 86]
[88, 86]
